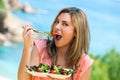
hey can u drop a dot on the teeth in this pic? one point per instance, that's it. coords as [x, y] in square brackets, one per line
[58, 37]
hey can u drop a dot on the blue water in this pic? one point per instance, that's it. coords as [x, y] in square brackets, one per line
[103, 18]
[9, 60]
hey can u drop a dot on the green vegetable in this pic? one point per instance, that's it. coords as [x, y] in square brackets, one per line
[45, 68]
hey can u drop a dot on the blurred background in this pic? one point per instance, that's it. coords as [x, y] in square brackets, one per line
[104, 22]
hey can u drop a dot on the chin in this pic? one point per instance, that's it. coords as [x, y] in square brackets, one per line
[57, 45]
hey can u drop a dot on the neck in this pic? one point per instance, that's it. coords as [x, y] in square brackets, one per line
[62, 50]
[61, 57]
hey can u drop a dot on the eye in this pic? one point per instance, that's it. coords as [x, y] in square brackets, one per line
[65, 24]
[56, 22]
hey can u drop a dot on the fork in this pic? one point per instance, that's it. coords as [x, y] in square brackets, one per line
[34, 30]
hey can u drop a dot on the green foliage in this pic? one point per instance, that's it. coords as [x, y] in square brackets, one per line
[112, 59]
[106, 67]
[99, 69]
[2, 6]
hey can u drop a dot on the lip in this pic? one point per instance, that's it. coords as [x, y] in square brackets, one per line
[58, 37]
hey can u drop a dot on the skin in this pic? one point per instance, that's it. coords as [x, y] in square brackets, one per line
[64, 27]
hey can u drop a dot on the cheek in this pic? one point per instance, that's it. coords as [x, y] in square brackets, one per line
[69, 32]
[69, 35]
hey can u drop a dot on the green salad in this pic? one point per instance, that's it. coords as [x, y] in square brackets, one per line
[45, 68]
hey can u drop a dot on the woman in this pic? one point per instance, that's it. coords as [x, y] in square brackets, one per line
[68, 48]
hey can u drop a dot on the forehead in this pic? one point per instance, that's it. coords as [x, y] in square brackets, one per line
[64, 17]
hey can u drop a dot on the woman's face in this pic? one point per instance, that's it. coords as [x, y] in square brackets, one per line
[65, 30]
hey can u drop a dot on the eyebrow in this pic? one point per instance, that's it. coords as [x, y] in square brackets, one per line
[65, 21]
[57, 19]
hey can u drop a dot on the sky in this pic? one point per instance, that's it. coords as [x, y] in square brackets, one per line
[103, 18]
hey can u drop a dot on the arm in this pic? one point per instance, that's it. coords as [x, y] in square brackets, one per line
[22, 75]
[30, 59]
[28, 55]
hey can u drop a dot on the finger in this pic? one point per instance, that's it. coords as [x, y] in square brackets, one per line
[30, 37]
[50, 77]
[28, 25]
[26, 28]
[28, 34]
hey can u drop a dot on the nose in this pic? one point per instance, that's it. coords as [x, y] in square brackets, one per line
[58, 26]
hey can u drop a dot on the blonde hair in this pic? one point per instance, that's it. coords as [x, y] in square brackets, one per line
[79, 44]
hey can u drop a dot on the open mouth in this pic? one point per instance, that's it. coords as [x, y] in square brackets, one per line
[58, 37]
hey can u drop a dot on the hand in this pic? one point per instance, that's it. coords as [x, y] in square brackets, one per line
[28, 36]
[51, 78]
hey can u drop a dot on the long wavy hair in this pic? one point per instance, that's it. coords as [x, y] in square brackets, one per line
[79, 44]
